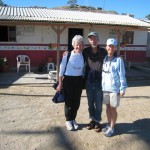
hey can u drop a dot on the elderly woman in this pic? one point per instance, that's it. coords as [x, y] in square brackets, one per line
[71, 79]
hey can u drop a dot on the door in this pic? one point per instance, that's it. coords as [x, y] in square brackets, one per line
[71, 33]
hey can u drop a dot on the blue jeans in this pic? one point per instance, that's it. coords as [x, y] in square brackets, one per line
[95, 99]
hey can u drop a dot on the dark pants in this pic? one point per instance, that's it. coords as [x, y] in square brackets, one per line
[72, 91]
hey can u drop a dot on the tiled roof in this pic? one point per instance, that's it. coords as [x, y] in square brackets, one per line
[148, 21]
[45, 14]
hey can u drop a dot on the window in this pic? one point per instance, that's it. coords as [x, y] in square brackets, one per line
[127, 38]
[8, 34]
[71, 33]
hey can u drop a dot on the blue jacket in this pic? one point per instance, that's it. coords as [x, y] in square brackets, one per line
[113, 75]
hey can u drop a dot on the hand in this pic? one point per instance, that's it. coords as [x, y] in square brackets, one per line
[120, 56]
[59, 87]
[122, 94]
[64, 53]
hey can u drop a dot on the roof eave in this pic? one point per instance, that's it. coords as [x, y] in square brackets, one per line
[64, 23]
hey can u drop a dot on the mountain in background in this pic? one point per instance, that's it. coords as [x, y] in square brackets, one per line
[76, 7]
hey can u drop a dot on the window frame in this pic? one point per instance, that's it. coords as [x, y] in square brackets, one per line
[9, 37]
[128, 37]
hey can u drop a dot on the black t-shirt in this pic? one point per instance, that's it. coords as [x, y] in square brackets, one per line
[94, 62]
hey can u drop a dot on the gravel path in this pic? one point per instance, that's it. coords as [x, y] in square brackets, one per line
[29, 120]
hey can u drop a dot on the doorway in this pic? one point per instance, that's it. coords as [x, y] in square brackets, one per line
[71, 33]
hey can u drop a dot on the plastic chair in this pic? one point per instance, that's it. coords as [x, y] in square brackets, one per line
[50, 67]
[52, 75]
[23, 60]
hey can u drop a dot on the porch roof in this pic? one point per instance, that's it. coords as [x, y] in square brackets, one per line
[60, 16]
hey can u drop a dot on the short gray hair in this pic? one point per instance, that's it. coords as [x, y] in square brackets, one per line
[77, 39]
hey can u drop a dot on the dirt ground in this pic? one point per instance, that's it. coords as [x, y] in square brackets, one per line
[29, 120]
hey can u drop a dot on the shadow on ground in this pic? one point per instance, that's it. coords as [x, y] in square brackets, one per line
[136, 97]
[139, 132]
[12, 78]
[136, 78]
[141, 125]
[58, 139]
[138, 83]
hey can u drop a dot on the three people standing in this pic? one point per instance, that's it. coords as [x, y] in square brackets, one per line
[95, 61]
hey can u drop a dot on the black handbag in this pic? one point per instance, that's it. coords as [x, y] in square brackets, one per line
[59, 97]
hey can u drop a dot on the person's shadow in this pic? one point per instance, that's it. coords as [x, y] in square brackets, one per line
[138, 126]
[139, 129]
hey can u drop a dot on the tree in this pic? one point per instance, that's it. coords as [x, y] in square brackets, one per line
[2, 3]
[148, 17]
[72, 2]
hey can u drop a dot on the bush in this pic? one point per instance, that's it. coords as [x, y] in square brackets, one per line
[3, 61]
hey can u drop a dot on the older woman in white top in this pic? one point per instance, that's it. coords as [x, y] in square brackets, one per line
[71, 79]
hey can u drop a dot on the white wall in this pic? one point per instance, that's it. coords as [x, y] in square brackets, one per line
[64, 37]
[101, 32]
[46, 35]
[39, 35]
[140, 38]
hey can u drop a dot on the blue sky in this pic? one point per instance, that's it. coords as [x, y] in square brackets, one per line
[139, 8]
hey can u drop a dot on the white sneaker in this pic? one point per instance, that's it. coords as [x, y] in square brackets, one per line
[105, 128]
[76, 126]
[69, 125]
[109, 132]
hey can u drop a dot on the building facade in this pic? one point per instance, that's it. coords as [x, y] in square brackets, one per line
[40, 40]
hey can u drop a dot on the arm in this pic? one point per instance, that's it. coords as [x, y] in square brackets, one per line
[61, 72]
[59, 87]
[64, 53]
[123, 84]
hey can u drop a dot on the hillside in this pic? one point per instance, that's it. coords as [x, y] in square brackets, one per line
[85, 8]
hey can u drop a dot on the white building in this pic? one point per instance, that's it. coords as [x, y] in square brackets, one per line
[41, 33]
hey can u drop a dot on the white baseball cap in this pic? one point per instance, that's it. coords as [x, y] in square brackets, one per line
[111, 42]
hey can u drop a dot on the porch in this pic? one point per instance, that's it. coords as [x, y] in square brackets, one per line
[135, 73]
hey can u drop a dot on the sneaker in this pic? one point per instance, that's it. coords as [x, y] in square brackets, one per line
[91, 125]
[105, 128]
[76, 126]
[109, 132]
[69, 125]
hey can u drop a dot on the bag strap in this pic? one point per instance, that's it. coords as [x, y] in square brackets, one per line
[68, 56]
